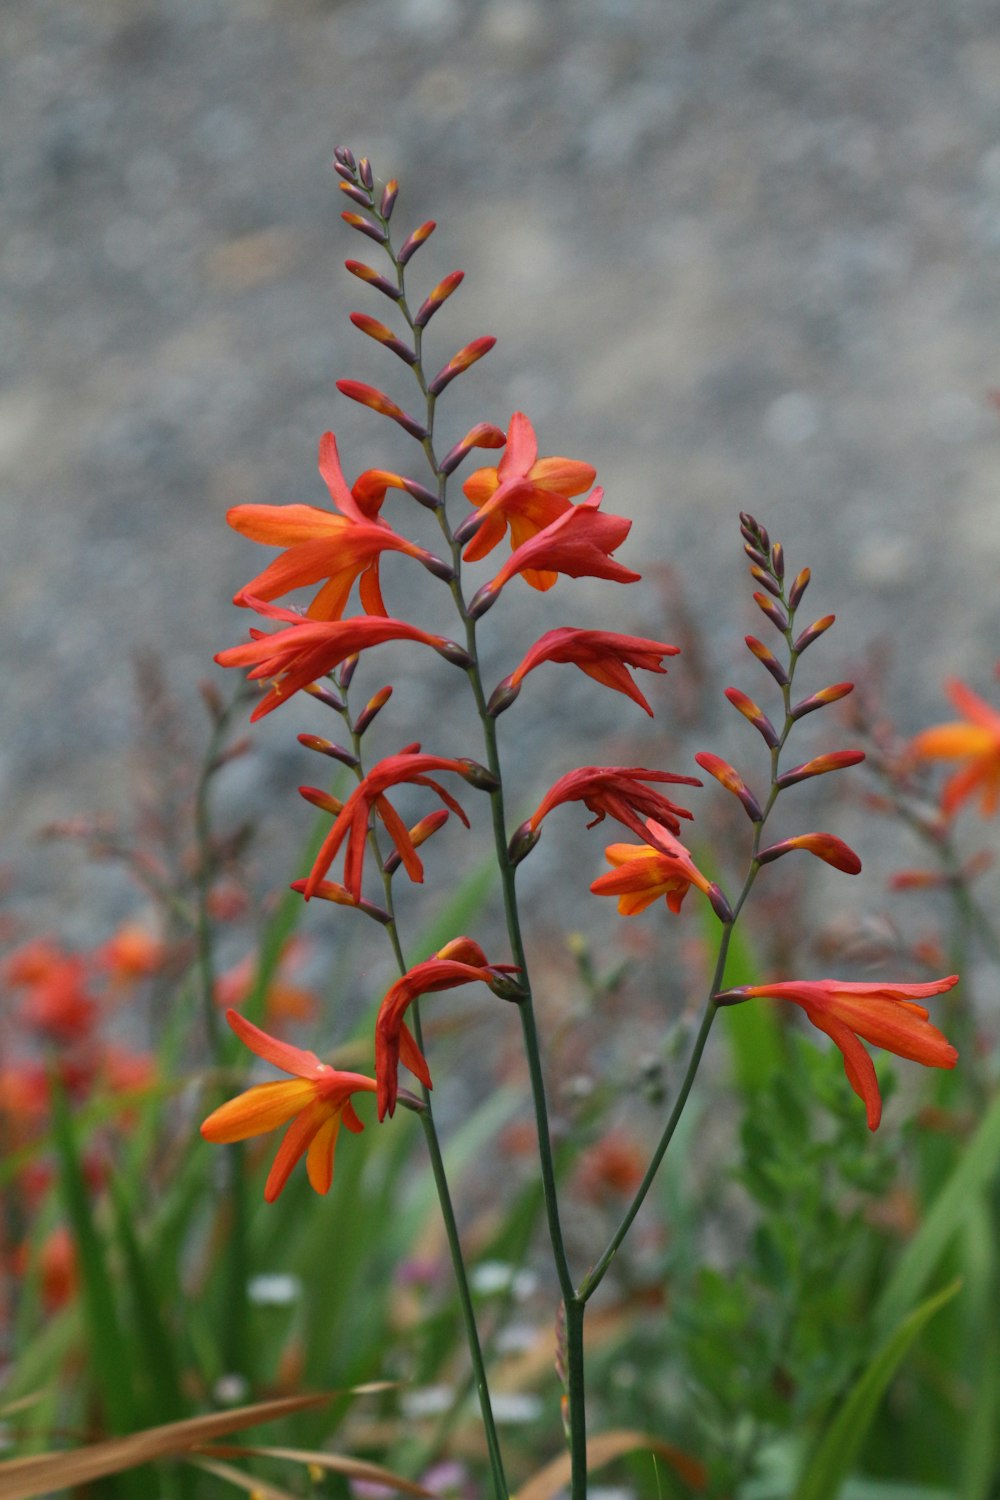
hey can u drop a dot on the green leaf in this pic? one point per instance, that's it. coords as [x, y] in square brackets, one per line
[979, 1448]
[159, 1361]
[108, 1351]
[945, 1218]
[827, 1468]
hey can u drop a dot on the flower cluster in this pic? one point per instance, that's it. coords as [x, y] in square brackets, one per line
[551, 517]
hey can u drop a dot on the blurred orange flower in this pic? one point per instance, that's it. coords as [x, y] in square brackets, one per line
[643, 874]
[975, 740]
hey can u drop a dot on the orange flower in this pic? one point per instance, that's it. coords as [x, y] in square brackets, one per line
[578, 543]
[616, 791]
[307, 649]
[461, 961]
[131, 953]
[975, 740]
[56, 1002]
[317, 1101]
[643, 874]
[882, 1014]
[352, 821]
[525, 492]
[320, 544]
[602, 654]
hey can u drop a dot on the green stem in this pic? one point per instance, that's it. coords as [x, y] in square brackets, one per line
[437, 1164]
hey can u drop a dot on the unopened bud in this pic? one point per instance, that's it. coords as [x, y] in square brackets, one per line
[798, 588]
[478, 776]
[731, 779]
[766, 581]
[778, 559]
[367, 395]
[358, 194]
[837, 760]
[819, 700]
[460, 362]
[754, 553]
[324, 694]
[365, 172]
[481, 601]
[755, 716]
[812, 633]
[502, 697]
[321, 799]
[438, 297]
[345, 156]
[422, 494]
[416, 239]
[774, 613]
[364, 226]
[327, 747]
[348, 667]
[419, 834]
[720, 905]
[383, 335]
[374, 705]
[372, 278]
[483, 435]
[389, 194]
[437, 566]
[467, 528]
[768, 659]
[522, 842]
[453, 652]
[330, 890]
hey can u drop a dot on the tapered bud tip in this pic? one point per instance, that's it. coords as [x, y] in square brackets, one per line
[453, 652]
[523, 841]
[348, 667]
[365, 172]
[481, 601]
[732, 997]
[478, 776]
[720, 905]
[502, 697]
[438, 566]
[344, 156]
[799, 587]
[813, 632]
[466, 529]
[778, 559]
[389, 195]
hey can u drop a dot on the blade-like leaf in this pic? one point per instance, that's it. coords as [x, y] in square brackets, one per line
[827, 1467]
[334, 1463]
[157, 1348]
[975, 1167]
[27, 1478]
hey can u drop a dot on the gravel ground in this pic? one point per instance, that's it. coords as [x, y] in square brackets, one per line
[738, 255]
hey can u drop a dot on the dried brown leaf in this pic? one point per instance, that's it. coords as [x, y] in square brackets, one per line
[601, 1449]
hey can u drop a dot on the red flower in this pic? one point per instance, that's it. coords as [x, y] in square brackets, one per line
[460, 962]
[882, 1014]
[352, 821]
[643, 873]
[616, 791]
[323, 545]
[56, 1001]
[974, 740]
[308, 649]
[602, 654]
[525, 492]
[317, 1101]
[578, 543]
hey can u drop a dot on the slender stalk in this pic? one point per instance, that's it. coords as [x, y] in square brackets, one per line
[437, 1161]
[596, 1275]
[574, 1312]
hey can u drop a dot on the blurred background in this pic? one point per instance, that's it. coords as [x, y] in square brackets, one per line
[738, 255]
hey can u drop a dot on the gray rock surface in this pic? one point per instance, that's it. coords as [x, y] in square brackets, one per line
[738, 255]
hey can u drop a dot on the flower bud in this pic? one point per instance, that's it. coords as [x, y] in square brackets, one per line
[453, 652]
[731, 779]
[522, 842]
[467, 528]
[755, 555]
[502, 697]
[348, 667]
[365, 172]
[419, 834]
[367, 274]
[825, 846]
[483, 435]
[837, 760]
[481, 601]
[327, 747]
[812, 633]
[344, 156]
[416, 239]
[383, 335]
[389, 195]
[367, 395]
[329, 890]
[766, 581]
[438, 297]
[768, 659]
[358, 194]
[321, 799]
[778, 560]
[720, 905]
[819, 700]
[374, 706]
[774, 613]
[754, 715]
[477, 775]
[363, 226]
[798, 588]
[460, 362]
[324, 694]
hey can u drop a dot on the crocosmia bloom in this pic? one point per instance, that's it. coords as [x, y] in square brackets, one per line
[316, 1099]
[525, 492]
[885, 1015]
[643, 873]
[617, 792]
[579, 543]
[351, 823]
[293, 658]
[602, 654]
[974, 741]
[461, 961]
